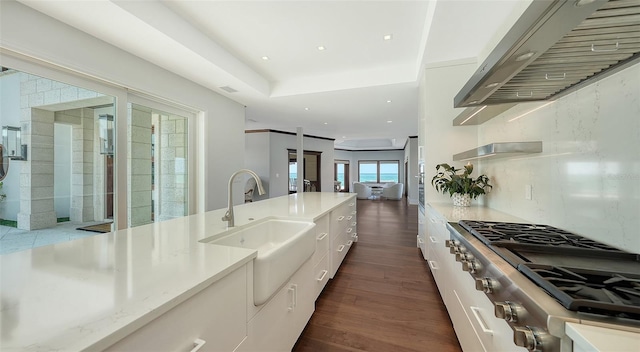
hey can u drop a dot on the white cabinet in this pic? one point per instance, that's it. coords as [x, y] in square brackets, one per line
[320, 257]
[343, 233]
[422, 234]
[279, 323]
[471, 312]
[216, 316]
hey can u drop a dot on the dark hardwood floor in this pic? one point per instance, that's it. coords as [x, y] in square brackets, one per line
[383, 297]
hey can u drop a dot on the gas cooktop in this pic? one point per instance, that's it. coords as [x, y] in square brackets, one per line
[519, 237]
[582, 274]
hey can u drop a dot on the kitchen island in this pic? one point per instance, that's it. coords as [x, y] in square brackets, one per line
[90, 293]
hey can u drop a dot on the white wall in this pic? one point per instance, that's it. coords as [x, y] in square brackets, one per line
[257, 159]
[411, 156]
[279, 157]
[62, 169]
[587, 179]
[221, 133]
[267, 154]
[440, 84]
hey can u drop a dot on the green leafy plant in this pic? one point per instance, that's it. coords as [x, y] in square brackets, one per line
[450, 180]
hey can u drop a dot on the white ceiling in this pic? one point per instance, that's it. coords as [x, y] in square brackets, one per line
[341, 92]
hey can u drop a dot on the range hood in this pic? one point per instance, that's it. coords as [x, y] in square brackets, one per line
[500, 150]
[556, 47]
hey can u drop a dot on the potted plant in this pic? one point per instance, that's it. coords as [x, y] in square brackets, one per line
[460, 186]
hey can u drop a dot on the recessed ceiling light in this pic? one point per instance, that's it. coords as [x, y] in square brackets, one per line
[387, 37]
[326, 123]
[306, 109]
[344, 137]
[388, 101]
[265, 58]
[389, 121]
[321, 48]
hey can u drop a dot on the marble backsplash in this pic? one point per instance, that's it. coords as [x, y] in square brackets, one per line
[587, 179]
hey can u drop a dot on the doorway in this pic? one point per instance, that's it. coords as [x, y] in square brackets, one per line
[311, 171]
[341, 175]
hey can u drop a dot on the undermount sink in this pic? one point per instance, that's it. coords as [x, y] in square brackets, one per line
[282, 245]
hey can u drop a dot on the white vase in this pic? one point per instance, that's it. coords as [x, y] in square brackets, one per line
[461, 200]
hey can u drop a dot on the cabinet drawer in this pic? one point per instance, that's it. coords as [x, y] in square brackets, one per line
[216, 315]
[321, 271]
[467, 337]
[322, 247]
[338, 252]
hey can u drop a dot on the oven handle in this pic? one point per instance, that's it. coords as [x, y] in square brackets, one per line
[481, 322]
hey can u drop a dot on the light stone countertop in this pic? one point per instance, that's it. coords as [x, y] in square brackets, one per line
[89, 293]
[600, 339]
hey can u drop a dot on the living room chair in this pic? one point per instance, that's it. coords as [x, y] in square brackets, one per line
[393, 191]
[363, 191]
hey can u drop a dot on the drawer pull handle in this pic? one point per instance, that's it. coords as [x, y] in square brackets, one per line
[420, 240]
[324, 273]
[294, 297]
[601, 50]
[349, 217]
[354, 223]
[349, 242]
[197, 345]
[341, 248]
[354, 212]
[341, 217]
[432, 239]
[322, 236]
[483, 325]
[432, 220]
[355, 234]
[433, 265]
[349, 230]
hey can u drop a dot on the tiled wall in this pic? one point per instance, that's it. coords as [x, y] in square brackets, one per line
[587, 179]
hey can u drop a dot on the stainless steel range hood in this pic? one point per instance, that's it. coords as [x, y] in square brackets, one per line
[556, 47]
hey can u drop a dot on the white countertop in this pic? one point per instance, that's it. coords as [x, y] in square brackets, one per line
[600, 339]
[89, 293]
[474, 212]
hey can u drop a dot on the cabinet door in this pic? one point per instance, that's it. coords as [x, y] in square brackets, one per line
[422, 234]
[279, 324]
[215, 316]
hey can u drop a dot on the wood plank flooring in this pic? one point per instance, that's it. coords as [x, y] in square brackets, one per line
[383, 297]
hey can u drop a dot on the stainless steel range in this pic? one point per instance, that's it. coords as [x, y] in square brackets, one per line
[540, 277]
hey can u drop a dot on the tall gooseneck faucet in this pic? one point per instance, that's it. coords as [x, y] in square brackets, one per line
[228, 216]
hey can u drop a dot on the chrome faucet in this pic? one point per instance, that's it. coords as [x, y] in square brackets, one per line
[228, 216]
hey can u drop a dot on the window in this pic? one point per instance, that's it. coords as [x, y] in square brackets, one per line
[378, 171]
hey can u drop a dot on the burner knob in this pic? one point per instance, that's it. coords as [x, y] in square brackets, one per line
[451, 243]
[462, 257]
[485, 285]
[457, 249]
[529, 338]
[471, 266]
[507, 311]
